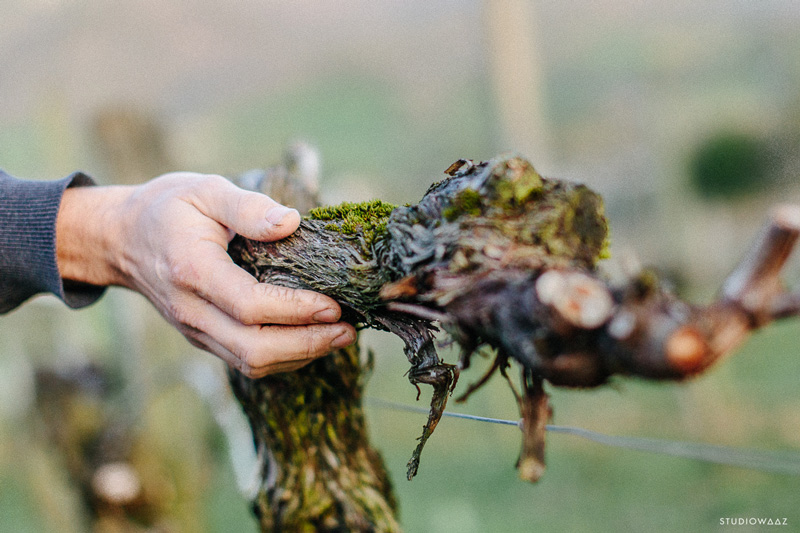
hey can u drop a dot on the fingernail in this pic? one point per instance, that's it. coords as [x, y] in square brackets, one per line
[326, 315]
[345, 339]
[278, 213]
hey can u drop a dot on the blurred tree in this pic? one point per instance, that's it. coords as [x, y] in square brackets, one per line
[730, 165]
[131, 143]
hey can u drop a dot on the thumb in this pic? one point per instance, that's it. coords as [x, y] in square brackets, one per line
[251, 214]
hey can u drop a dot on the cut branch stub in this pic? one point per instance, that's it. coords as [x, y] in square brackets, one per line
[576, 299]
[755, 283]
[662, 337]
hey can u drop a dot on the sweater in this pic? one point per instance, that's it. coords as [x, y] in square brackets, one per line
[28, 266]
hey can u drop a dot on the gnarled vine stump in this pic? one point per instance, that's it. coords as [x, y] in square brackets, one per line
[495, 255]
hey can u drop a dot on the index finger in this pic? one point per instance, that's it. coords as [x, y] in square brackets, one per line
[218, 280]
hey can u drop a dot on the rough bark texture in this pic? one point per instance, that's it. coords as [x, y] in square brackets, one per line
[498, 256]
[318, 470]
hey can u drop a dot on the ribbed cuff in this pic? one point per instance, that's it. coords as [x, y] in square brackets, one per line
[28, 266]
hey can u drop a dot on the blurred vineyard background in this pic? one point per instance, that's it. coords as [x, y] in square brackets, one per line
[684, 115]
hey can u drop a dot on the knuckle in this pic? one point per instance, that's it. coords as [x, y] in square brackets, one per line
[253, 359]
[200, 187]
[191, 336]
[315, 342]
[277, 293]
[299, 365]
[250, 372]
[256, 373]
[189, 318]
[301, 345]
[243, 203]
[296, 305]
[184, 317]
[242, 366]
[244, 311]
[211, 181]
[183, 274]
[180, 315]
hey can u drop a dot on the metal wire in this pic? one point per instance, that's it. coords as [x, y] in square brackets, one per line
[779, 462]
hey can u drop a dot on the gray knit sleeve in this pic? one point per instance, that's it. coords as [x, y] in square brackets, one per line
[28, 211]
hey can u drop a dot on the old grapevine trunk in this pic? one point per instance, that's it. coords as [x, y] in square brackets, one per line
[496, 255]
[319, 472]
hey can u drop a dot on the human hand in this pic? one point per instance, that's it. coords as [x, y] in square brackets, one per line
[167, 239]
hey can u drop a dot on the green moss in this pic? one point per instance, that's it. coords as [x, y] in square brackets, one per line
[355, 212]
[605, 250]
[467, 202]
[366, 219]
[515, 181]
[575, 227]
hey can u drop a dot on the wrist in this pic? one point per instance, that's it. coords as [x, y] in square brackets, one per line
[88, 235]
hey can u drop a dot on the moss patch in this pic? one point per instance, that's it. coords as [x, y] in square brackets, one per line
[514, 181]
[466, 202]
[576, 227]
[366, 219]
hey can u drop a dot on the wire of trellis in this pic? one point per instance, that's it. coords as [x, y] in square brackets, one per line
[785, 462]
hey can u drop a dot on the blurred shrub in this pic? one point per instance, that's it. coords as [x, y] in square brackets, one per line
[730, 165]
